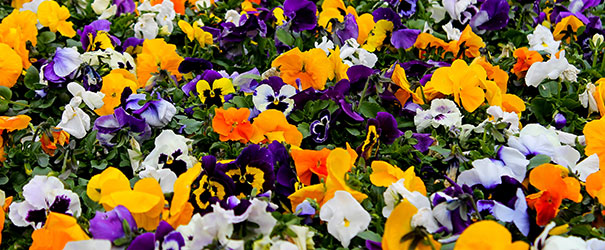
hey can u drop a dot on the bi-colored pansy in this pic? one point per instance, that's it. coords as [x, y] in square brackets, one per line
[214, 94]
[568, 26]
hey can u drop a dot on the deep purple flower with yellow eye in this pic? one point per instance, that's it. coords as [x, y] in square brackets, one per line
[253, 169]
[493, 15]
[319, 128]
[110, 225]
[387, 14]
[132, 45]
[96, 36]
[302, 14]
[386, 126]
[109, 125]
[211, 186]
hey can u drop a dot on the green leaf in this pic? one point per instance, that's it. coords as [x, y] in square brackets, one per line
[6, 93]
[442, 151]
[46, 37]
[549, 89]
[538, 160]
[369, 109]
[369, 235]
[285, 37]
[303, 127]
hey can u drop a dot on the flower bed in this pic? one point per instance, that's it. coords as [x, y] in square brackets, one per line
[296, 124]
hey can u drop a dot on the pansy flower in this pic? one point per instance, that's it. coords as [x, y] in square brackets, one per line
[567, 24]
[59, 137]
[43, 195]
[488, 234]
[210, 186]
[157, 113]
[554, 186]
[338, 163]
[54, 16]
[272, 125]
[320, 127]
[345, 217]
[145, 201]
[169, 159]
[157, 54]
[96, 36]
[309, 162]
[525, 58]
[595, 140]
[195, 32]
[214, 93]
[16, 30]
[493, 15]
[232, 124]
[308, 69]
[108, 126]
[64, 65]
[273, 93]
[253, 169]
[58, 230]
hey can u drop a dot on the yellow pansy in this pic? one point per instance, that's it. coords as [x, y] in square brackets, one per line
[385, 174]
[157, 55]
[378, 34]
[196, 32]
[399, 226]
[53, 16]
[340, 68]
[10, 66]
[215, 94]
[312, 68]
[16, 30]
[113, 86]
[569, 22]
[488, 234]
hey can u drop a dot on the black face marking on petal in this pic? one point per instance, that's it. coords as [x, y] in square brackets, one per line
[36, 216]
[61, 204]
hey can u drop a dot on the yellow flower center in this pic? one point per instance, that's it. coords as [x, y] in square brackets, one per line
[347, 222]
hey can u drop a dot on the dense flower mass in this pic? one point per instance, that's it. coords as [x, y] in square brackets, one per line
[302, 124]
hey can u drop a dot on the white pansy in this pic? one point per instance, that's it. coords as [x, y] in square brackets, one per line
[104, 8]
[232, 16]
[551, 69]
[535, 139]
[452, 33]
[397, 192]
[304, 236]
[92, 244]
[74, 120]
[455, 7]
[542, 40]
[570, 73]
[257, 213]
[326, 45]
[146, 27]
[352, 54]
[556, 242]
[345, 217]
[41, 194]
[437, 11]
[587, 98]
[93, 100]
[443, 112]
[171, 149]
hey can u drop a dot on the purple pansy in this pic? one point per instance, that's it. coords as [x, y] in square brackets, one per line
[156, 113]
[493, 15]
[91, 31]
[109, 125]
[110, 225]
[164, 238]
[302, 14]
[253, 169]
[204, 189]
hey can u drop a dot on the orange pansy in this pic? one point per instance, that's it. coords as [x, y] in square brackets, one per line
[470, 42]
[312, 68]
[232, 124]
[58, 230]
[157, 55]
[309, 162]
[525, 58]
[271, 125]
[554, 186]
[59, 137]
